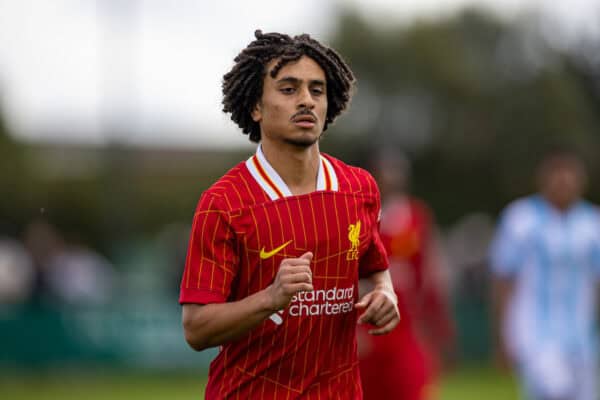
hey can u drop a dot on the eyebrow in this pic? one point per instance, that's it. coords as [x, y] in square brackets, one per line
[291, 79]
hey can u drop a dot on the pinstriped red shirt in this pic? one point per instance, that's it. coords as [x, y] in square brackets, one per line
[244, 226]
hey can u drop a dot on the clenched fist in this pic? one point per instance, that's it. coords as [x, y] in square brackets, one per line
[294, 275]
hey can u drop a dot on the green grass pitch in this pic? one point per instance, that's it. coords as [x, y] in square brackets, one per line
[472, 383]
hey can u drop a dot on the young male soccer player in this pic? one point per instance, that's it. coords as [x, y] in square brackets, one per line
[546, 263]
[279, 242]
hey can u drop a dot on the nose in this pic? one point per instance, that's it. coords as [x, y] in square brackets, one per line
[305, 99]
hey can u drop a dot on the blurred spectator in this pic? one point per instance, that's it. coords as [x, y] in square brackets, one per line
[467, 246]
[68, 273]
[16, 272]
[404, 363]
[546, 261]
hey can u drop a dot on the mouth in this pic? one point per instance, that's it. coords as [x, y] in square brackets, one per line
[304, 121]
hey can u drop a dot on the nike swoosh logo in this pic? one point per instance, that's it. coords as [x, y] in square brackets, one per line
[268, 254]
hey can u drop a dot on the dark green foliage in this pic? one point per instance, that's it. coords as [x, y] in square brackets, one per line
[474, 101]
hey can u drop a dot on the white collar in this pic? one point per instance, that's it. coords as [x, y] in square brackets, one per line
[268, 179]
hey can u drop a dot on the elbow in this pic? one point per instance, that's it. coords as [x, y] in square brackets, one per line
[198, 327]
[195, 343]
[193, 338]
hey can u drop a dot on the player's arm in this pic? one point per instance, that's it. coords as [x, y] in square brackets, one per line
[502, 291]
[507, 253]
[218, 323]
[380, 305]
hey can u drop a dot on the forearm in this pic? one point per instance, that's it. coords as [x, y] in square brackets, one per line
[218, 323]
[502, 291]
[380, 280]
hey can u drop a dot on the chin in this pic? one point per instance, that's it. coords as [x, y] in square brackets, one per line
[303, 141]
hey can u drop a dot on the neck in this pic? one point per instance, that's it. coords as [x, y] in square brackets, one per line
[297, 166]
[394, 196]
[559, 204]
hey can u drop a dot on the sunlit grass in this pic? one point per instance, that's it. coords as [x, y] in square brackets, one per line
[477, 383]
[103, 385]
[468, 383]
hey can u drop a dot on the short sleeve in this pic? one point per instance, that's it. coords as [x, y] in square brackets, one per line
[211, 262]
[595, 252]
[375, 258]
[507, 251]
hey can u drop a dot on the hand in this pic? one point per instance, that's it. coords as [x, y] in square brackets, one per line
[294, 275]
[381, 310]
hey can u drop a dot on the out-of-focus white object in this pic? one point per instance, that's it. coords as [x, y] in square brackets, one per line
[16, 272]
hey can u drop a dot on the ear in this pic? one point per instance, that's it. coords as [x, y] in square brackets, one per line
[257, 112]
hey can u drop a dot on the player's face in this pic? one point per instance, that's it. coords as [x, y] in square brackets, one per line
[563, 184]
[293, 106]
[392, 176]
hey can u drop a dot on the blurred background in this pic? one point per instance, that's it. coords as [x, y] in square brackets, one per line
[111, 128]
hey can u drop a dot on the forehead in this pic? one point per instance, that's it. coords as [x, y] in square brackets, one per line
[305, 68]
[562, 164]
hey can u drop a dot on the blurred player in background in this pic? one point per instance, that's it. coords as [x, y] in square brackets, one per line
[546, 263]
[278, 243]
[405, 363]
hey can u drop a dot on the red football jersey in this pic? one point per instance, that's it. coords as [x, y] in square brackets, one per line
[404, 363]
[244, 226]
[407, 231]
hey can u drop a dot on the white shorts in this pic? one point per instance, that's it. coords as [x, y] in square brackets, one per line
[552, 374]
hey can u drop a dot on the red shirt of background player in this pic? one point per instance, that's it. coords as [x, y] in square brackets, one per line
[404, 363]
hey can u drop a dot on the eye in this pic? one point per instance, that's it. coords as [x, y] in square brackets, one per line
[317, 91]
[287, 90]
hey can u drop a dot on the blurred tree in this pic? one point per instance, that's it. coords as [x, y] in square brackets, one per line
[14, 180]
[473, 99]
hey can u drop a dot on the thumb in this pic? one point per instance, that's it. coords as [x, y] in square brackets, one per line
[307, 256]
[364, 302]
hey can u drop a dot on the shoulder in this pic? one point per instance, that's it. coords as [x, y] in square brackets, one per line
[521, 215]
[587, 217]
[523, 206]
[419, 205]
[227, 192]
[421, 211]
[353, 179]
[589, 209]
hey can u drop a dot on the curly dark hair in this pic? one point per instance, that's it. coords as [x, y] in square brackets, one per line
[243, 85]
